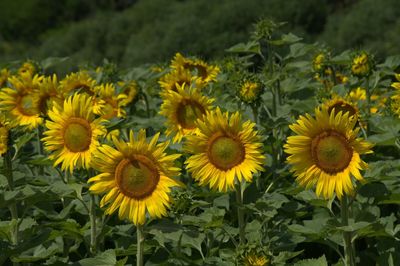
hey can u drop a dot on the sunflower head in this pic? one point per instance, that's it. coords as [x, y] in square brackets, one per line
[108, 104]
[339, 104]
[131, 90]
[72, 132]
[5, 127]
[362, 64]
[395, 84]
[182, 108]
[326, 152]
[80, 82]
[21, 100]
[255, 259]
[28, 69]
[178, 77]
[137, 177]
[250, 92]
[320, 62]
[224, 151]
[49, 93]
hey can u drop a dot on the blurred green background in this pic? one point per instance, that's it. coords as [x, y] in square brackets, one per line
[133, 32]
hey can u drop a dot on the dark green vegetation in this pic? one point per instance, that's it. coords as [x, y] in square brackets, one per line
[132, 32]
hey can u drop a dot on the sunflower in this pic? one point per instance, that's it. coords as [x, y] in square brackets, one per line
[178, 77]
[28, 69]
[207, 73]
[22, 101]
[130, 89]
[137, 177]
[49, 93]
[4, 131]
[253, 259]
[224, 149]
[326, 152]
[72, 133]
[362, 64]
[182, 108]
[108, 104]
[396, 85]
[78, 82]
[249, 91]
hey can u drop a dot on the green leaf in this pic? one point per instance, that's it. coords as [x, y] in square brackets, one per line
[252, 47]
[106, 258]
[313, 262]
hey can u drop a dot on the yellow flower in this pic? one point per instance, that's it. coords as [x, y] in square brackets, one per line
[28, 69]
[182, 108]
[338, 104]
[250, 92]
[395, 85]
[198, 68]
[130, 89]
[22, 100]
[178, 77]
[326, 152]
[4, 131]
[318, 62]
[253, 259]
[108, 104]
[361, 64]
[78, 82]
[224, 151]
[136, 177]
[49, 93]
[72, 132]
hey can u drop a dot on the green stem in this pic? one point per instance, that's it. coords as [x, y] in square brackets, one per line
[140, 245]
[13, 206]
[348, 247]
[254, 108]
[146, 102]
[93, 231]
[239, 202]
[368, 94]
[40, 147]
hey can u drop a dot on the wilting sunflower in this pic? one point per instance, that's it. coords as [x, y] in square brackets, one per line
[137, 177]
[207, 73]
[182, 108]
[78, 82]
[72, 133]
[21, 101]
[224, 150]
[326, 152]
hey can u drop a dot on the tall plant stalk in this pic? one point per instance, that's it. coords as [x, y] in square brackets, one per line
[140, 245]
[348, 246]
[240, 214]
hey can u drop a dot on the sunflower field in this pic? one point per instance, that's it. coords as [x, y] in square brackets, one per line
[281, 152]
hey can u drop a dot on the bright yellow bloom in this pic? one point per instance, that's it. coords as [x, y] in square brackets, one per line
[78, 82]
[207, 73]
[224, 151]
[28, 69]
[396, 85]
[108, 104]
[178, 77]
[4, 131]
[130, 89]
[49, 93]
[72, 132]
[22, 100]
[182, 108]
[338, 104]
[136, 177]
[326, 152]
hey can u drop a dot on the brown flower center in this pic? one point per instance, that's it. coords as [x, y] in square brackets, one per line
[137, 177]
[188, 112]
[225, 152]
[331, 151]
[77, 134]
[344, 107]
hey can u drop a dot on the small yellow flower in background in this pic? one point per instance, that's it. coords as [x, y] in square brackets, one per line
[137, 177]
[28, 69]
[4, 74]
[319, 62]
[21, 101]
[108, 104]
[182, 108]
[396, 85]
[362, 64]
[49, 93]
[178, 77]
[359, 96]
[253, 259]
[4, 132]
[80, 82]
[72, 132]
[130, 89]
[224, 151]
[250, 92]
[326, 152]
[207, 73]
